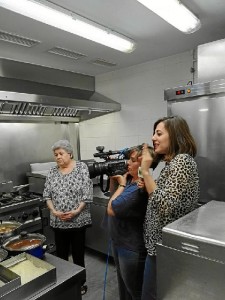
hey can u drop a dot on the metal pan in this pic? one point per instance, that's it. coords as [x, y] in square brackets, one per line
[8, 228]
[31, 243]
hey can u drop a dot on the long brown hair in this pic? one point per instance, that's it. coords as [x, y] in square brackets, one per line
[181, 139]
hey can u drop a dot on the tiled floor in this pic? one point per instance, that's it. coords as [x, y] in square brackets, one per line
[101, 277]
[98, 287]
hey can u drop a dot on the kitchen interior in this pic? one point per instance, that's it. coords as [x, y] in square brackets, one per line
[57, 85]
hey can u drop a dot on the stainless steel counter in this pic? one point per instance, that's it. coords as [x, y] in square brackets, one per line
[67, 286]
[191, 257]
[97, 236]
[68, 282]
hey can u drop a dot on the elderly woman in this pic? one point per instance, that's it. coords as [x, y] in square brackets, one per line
[68, 192]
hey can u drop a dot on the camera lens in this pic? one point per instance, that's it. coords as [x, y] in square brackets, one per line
[110, 168]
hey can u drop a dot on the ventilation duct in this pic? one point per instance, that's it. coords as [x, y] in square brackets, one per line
[66, 53]
[34, 93]
[102, 62]
[18, 40]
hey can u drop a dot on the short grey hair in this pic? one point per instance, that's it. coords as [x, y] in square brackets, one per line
[63, 144]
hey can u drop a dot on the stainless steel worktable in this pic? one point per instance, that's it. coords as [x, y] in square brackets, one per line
[97, 237]
[68, 282]
[191, 257]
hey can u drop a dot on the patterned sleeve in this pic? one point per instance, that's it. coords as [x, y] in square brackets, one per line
[47, 186]
[180, 177]
[87, 184]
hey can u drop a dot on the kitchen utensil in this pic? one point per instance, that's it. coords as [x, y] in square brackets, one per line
[8, 228]
[17, 188]
[31, 243]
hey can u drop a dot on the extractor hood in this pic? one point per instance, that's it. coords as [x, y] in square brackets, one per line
[35, 93]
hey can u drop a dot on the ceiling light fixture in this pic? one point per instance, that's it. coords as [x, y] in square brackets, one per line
[175, 13]
[203, 109]
[68, 21]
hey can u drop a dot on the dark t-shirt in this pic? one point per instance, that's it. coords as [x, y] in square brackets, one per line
[126, 227]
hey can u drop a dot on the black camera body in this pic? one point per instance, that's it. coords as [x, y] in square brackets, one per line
[111, 166]
[114, 166]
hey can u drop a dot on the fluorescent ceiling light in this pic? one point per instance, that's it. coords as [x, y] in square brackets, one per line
[175, 13]
[70, 22]
[203, 109]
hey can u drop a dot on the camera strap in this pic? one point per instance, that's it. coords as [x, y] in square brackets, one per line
[104, 190]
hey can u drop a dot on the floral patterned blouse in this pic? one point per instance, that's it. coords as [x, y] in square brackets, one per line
[176, 195]
[66, 192]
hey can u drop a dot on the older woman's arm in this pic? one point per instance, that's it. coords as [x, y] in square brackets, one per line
[50, 206]
[73, 213]
[79, 209]
[53, 210]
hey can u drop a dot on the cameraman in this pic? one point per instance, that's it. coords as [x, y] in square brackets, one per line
[126, 210]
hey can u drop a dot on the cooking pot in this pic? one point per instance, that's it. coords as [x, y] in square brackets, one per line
[8, 228]
[31, 243]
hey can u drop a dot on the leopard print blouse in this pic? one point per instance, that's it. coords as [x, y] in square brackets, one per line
[66, 192]
[177, 194]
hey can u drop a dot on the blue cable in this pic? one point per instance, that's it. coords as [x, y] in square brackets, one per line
[106, 269]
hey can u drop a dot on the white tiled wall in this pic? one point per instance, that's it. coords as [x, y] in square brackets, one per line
[140, 90]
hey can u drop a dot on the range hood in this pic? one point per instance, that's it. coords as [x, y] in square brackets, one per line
[35, 93]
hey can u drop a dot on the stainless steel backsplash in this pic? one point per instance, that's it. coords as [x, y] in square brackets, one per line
[25, 143]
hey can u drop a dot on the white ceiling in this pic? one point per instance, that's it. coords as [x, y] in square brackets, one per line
[154, 37]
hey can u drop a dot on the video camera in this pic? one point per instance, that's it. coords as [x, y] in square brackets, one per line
[111, 166]
[114, 166]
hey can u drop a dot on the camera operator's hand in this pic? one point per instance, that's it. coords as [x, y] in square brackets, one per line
[115, 181]
[121, 179]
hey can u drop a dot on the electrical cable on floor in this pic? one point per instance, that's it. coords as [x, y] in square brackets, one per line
[106, 269]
